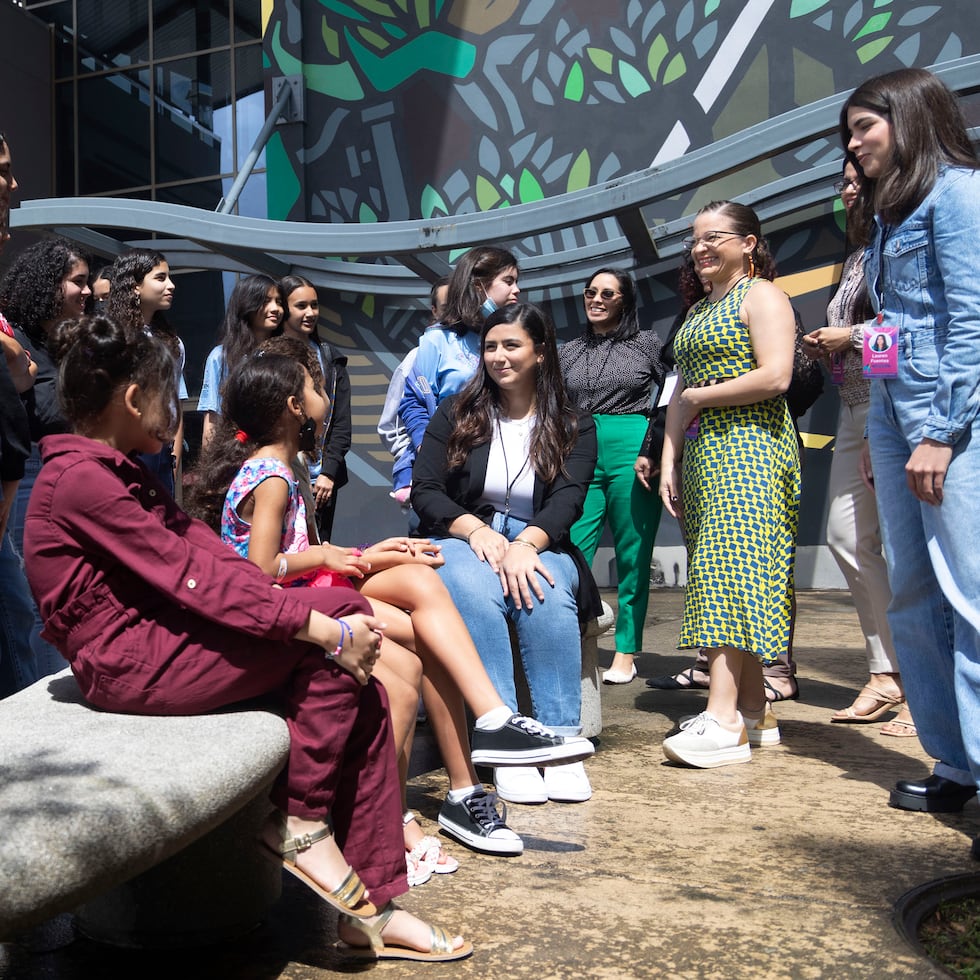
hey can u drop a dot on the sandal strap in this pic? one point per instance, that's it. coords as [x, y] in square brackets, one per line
[874, 694]
[303, 842]
[441, 941]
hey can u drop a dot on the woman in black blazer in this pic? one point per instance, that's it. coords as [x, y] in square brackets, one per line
[500, 479]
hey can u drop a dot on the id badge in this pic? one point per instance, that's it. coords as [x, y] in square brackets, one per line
[880, 349]
[837, 369]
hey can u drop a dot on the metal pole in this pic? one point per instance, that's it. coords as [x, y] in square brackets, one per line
[227, 204]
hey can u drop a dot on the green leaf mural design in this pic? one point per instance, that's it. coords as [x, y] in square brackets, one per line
[284, 191]
[366, 214]
[487, 195]
[877, 23]
[343, 9]
[337, 81]
[580, 173]
[432, 203]
[655, 58]
[575, 83]
[528, 188]
[801, 8]
[871, 50]
[711, 6]
[676, 68]
[632, 80]
[603, 60]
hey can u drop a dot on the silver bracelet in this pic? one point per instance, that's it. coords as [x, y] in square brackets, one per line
[283, 568]
[479, 527]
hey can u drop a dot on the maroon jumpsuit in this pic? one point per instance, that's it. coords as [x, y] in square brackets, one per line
[157, 616]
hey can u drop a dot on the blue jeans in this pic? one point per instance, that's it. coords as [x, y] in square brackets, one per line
[47, 660]
[549, 636]
[934, 573]
[17, 667]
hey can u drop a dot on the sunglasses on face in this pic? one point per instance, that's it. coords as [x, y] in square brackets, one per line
[605, 294]
[842, 185]
[709, 238]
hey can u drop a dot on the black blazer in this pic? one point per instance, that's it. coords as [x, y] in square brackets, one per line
[440, 496]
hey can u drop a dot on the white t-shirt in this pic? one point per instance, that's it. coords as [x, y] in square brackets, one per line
[509, 470]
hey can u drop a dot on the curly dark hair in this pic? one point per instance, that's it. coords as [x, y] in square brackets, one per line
[123, 305]
[96, 355]
[744, 221]
[235, 334]
[31, 293]
[477, 406]
[254, 400]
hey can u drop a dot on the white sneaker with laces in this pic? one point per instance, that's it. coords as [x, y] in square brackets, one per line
[567, 784]
[764, 730]
[520, 784]
[704, 744]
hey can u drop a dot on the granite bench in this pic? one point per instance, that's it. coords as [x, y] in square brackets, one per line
[145, 826]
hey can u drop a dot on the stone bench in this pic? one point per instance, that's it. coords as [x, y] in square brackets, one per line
[144, 825]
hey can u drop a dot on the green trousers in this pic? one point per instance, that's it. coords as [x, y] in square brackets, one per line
[633, 514]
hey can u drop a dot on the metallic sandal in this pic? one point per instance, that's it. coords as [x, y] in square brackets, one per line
[440, 945]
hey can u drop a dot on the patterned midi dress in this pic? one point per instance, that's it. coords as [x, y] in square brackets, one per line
[741, 493]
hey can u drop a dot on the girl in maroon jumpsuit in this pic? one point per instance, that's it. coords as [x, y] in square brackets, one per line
[157, 616]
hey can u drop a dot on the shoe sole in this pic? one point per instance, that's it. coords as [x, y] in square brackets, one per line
[766, 737]
[478, 843]
[710, 760]
[525, 800]
[568, 798]
[555, 755]
[925, 804]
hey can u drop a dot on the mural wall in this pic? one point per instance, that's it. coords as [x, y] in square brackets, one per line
[422, 108]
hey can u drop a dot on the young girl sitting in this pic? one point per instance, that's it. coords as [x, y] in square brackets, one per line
[157, 616]
[271, 405]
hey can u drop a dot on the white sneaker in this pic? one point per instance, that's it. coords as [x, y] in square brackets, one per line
[567, 784]
[520, 784]
[704, 744]
[764, 730]
[618, 676]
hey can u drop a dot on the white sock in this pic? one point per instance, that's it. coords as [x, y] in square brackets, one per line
[495, 718]
[458, 795]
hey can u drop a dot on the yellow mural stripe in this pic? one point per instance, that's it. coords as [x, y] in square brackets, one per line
[267, 8]
[368, 400]
[810, 281]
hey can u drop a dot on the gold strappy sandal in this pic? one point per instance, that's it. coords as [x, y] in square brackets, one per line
[348, 897]
[440, 946]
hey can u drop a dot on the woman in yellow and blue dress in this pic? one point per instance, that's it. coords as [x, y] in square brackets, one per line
[730, 472]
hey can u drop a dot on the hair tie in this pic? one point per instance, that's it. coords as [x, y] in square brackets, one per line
[241, 436]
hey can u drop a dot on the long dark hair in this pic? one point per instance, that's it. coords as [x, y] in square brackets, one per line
[96, 355]
[123, 305]
[928, 131]
[862, 301]
[253, 401]
[472, 275]
[31, 292]
[744, 221]
[478, 405]
[629, 320]
[288, 285]
[235, 335]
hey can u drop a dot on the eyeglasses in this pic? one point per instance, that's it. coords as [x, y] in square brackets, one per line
[605, 294]
[709, 238]
[842, 185]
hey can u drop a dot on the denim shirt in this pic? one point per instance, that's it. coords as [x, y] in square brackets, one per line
[930, 287]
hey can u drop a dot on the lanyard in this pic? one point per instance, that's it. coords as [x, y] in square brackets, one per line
[510, 483]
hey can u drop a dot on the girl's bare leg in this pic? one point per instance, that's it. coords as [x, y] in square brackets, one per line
[440, 632]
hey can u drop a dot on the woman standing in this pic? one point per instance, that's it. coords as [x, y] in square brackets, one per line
[142, 294]
[609, 372]
[730, 471]
[500, 479]
[254, 313]
[853, 533]
[328, 473]
[919, 212]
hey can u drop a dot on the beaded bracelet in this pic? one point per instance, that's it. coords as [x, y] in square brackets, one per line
[526, 544]
[345, 631]
[283, 568]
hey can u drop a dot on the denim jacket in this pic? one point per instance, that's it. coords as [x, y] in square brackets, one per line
[924, 275]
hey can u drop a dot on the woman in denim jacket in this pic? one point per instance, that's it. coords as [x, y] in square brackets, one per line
[921, 208]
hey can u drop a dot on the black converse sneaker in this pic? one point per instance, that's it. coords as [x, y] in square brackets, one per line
[474, 821]
[524, 742]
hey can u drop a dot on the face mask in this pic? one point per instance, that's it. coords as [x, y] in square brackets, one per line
[307, 436]
[488, 307]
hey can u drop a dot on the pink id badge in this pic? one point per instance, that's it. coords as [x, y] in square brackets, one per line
[837, 369]
[880, 349]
